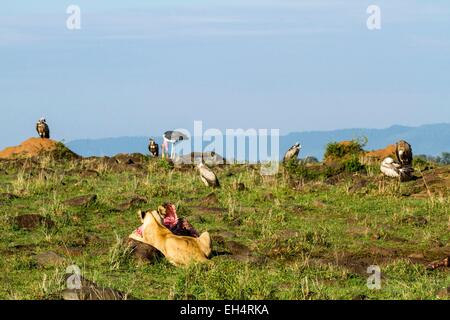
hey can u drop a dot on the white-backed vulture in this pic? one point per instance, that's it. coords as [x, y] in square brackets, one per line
[293, 152]
[208, 177]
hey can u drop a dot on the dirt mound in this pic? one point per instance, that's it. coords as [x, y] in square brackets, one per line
[34, 147]
[434, 183]
[378, 156]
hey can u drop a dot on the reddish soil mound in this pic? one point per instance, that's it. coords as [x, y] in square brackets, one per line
[378, 156]
[34, 147]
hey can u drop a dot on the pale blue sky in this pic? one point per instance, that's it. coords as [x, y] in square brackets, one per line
[141, 67]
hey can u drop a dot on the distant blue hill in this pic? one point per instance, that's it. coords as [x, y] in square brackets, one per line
[427, 139]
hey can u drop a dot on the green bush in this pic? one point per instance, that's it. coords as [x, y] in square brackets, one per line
[339, 150]
[353, 165]
[421, 163]
[298, 169]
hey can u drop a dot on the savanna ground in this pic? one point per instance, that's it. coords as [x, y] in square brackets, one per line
[289, 236]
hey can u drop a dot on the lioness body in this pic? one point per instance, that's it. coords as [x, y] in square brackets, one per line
[179, 250]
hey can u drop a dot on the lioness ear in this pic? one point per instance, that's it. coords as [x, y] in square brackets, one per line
[141, 215]
[161, 210]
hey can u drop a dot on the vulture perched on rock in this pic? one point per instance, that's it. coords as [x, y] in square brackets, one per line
[153, 147]
[43, 129]
[393, 169]
[293, 152]
[404, 153]
[208, 177]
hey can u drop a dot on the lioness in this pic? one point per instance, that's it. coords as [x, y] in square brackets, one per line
[179, 250]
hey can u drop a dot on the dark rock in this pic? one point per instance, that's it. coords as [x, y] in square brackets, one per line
[210, 200]
[130, 159]
[7, 197]
[358, 185]
[226, 234]
[269, 197]
[48, 259]
[414, 220]
[239, 186]
[131, 203]
[89, 173]
[237, 248]
[82, 201]
[32, 221]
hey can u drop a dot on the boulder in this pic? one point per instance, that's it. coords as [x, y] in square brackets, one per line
[82, 201]
[32, 221]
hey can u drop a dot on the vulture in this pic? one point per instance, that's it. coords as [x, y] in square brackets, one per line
[43, 129]
[172, 137]
[404, 153]
[153, 147]
[293, 152]
[208, 177]
[394, 169]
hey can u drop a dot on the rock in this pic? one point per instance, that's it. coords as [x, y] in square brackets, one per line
[89, 290]
[417, 256]
[131, 203]
[48, 259]
[269, 197]
[358, 186]
[143, 251]
[237, 248]
[414, 220]
[226, 234]
[82, 201]
[210, 200]
[7, 197]
[239, 186]
[32, 221]
[89, 173]
[130, 159]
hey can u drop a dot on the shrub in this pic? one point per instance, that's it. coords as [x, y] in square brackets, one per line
[298, 169]
[339, 150]
[353, 165]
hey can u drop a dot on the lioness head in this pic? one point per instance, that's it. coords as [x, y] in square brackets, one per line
[149, 216]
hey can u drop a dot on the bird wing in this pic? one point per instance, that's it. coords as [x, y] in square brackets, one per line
[390, 171]
[291, 153]
[47, 131]
[208, 175]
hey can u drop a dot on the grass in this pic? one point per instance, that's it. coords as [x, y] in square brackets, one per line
[308, 240]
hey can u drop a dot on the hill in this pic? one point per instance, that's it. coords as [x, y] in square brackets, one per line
[427, 139]
[34, 147]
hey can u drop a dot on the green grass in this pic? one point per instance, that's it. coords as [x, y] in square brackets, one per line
[309, 240]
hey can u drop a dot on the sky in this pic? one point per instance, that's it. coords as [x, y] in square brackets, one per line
[139, 68]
